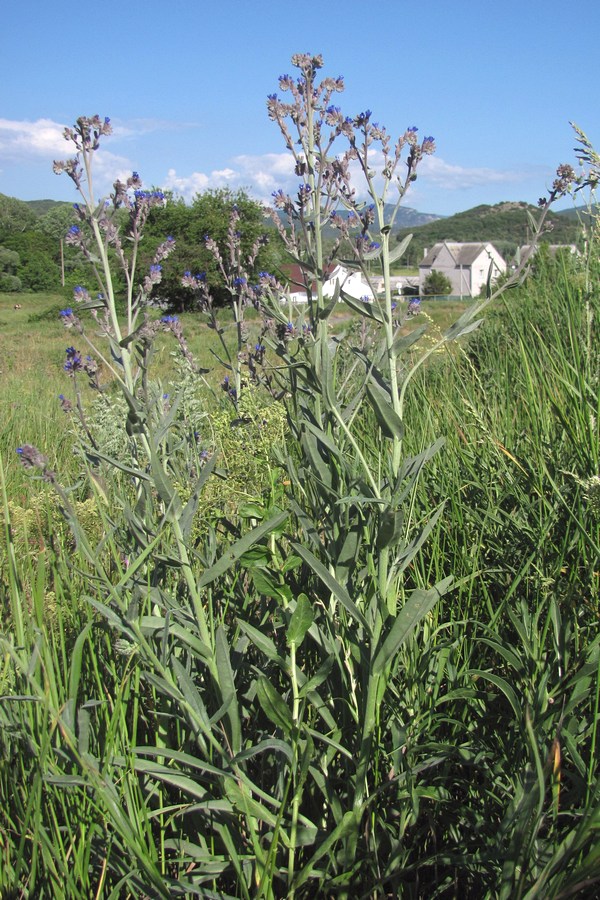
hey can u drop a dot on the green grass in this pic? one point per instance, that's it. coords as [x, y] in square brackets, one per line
[131, 767]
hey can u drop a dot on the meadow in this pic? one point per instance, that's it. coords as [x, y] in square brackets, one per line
[301, 603]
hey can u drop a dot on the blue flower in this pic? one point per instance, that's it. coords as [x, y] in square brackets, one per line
[66, 312]
[74, 362]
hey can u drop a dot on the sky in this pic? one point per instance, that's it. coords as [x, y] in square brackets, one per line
[185, 85]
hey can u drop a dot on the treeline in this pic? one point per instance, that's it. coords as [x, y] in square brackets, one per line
[34, 256]
[506, 225]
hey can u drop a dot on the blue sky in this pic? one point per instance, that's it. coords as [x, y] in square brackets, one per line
[185, 85]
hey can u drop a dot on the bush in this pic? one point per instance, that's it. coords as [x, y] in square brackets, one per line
[437, 283]
[10, 283]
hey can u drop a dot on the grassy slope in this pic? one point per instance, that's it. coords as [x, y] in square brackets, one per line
[506, 225]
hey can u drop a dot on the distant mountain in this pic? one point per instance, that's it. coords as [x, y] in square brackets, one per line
[410, 218]
[582, 214]
[405, 218]
[506, 225]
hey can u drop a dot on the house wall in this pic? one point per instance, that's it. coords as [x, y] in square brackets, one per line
[460, 278]
[465, 280]
[350, 282]
[481, 267]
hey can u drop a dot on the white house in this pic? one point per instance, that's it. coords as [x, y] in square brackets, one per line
[351, 283]
[527, 250]
[467, 266]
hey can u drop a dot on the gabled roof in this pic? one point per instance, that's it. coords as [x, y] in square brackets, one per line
[553, 249]
[463, 254]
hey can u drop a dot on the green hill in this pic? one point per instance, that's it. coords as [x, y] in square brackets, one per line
[506, 225]
[41, 207]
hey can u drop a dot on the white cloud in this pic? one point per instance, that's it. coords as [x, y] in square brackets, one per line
[39, 139]
[42, 141]
[188, 186]
[435, 171]
[260, 175]
[135, 128]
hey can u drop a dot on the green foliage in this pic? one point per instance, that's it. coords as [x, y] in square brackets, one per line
[437, 284]
[506, 225]
[15, 215]
[56, 221]
[10, 283]
[209, 214]
[39, 257]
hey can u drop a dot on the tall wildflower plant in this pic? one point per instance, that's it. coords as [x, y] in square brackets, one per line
[252, 748]
[351, 483]
[242, 362]
[109, 236]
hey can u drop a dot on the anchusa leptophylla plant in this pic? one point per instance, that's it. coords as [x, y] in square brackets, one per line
[235, 266]
[110, 231]
[351, 484]
[109, 235]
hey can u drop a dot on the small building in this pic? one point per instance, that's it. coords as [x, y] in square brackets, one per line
[466, 265]
[527, 250]
[351, 283]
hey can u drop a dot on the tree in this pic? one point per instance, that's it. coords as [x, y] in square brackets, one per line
[39, 260]
[57, 221]
[9, 263]
[207, 216]
[437, 283]
[15, 215]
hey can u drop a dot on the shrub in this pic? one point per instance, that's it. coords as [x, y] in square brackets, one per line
[437, 283]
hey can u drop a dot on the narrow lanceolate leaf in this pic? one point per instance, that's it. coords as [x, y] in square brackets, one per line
[387, 418]
[348, 824]
[93, 455]
[328, 309]
[416, 608]
[503, 685]
[245, 803]
[227, 687]
[331, 584]
[166, 421]
[273, 705]
[369, 310]
[164, 488]
[263, 642]
[405, 341]
[390, 528]
[190, 692]
[400, 248]
[302, 619]
[238, 549]
[189, 511]
[463, 325]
